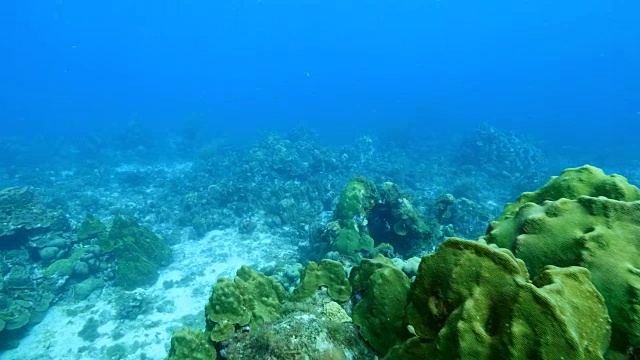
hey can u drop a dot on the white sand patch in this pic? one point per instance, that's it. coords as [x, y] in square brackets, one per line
[185, 285]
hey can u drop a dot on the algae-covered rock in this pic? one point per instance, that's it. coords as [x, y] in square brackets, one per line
[300, 336]
[138, 252]
[395, 220]
[329, 274]
[600, 234]
[190, 344]
[250, 299]
[380, 314]
[474, 301]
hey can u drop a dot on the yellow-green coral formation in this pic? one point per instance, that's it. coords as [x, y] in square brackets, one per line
[352, 243]
[600, 234]
[329, 274]
[364, 218]
[190, 344]
[138, 252]
[332, 311]
[350, 214]
[474, 301]
[64, 267]
[251, 317]
[573, 183]
[380, 312]
[357, 198]
[91, 228]
[251, 299]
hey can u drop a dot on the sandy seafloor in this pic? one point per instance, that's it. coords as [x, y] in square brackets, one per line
[197, 264]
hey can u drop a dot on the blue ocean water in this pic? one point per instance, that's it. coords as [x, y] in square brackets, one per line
[230, 129]
[561, 72]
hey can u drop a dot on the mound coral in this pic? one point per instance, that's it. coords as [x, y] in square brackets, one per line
[138, 251]
[583, 218]
[474, 301]
[251, 299]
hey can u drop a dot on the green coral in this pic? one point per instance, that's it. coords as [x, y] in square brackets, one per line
[380, 313]
[350, 214]
[351, 242]
[138, 252]
[600, 234]
[190, 344]
[364, 217]
[332, 311]
[90, 228]
[328, 273]
[222, 331]
[474, 301]
[359, 275]
[355, 200]
[250, 299]
[63, 267]
[572, 183]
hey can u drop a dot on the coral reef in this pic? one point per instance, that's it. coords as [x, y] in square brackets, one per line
[190, 344]
[396, 221]
[471, 300]
[329, 274]
[290, 185]
[138, 253]
[573, 183]
[365, 217]
[91, 228]
[505, 157]
[379, 314]
[300, 336]
[24, 219]
[250, 300]
[587, 219]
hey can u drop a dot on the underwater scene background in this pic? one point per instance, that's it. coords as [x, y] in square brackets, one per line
[281, 179]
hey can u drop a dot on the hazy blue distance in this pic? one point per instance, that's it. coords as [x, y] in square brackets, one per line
[566, 71]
